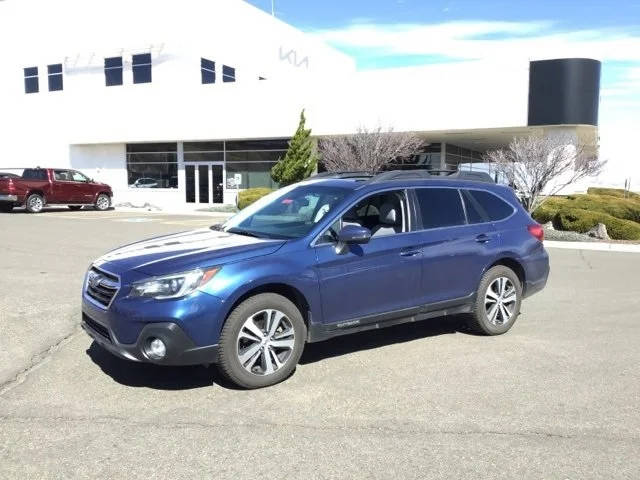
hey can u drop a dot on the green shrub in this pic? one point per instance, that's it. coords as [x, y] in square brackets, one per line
[613, 192]
[580, 220]
[548, 209]
[623, 208]
[247, 197]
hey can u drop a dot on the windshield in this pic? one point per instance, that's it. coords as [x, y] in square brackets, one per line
[290, 212]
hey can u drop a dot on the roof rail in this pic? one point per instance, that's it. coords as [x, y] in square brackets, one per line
[426, 174]
[344, 174]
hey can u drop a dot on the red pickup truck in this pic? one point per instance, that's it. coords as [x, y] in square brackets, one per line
[37, 187]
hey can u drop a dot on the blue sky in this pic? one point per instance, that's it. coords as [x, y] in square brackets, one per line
[396, 33]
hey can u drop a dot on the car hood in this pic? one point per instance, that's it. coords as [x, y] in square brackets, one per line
[183, 251]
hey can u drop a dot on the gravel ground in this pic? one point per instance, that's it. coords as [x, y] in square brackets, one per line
[568, 236]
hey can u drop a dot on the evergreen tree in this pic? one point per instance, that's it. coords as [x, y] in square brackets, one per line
[300, 160]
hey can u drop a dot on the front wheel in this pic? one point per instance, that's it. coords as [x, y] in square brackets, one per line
[497, 302]
[262, 341]
[35, 203]
[102, 202]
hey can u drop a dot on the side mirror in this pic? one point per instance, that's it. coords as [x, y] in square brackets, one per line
[353, 234]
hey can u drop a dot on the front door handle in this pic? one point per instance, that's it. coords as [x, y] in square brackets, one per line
[410, 252]
[483, 238]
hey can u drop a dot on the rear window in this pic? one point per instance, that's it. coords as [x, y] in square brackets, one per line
[35, 174]
[484, 206]
[440, 207]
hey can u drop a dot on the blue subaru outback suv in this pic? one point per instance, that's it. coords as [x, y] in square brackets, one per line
[336, 254]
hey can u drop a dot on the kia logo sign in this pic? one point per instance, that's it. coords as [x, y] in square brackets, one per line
[291, 56]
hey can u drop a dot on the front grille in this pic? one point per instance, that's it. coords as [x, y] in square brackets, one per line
[96, 327]
[101, 286]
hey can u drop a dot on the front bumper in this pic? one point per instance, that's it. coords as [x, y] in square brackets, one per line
[180, 348]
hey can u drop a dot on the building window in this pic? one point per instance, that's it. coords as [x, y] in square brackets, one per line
[249, 163]
[228, 74]
[204, 151]
[152, 165]
[208, 71]
[142, 68]
[55, 77]
[457, 155]
[113, 71]
[31, 84]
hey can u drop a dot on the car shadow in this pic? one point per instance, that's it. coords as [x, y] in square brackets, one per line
[45, 210]
[133, 374]
[407, 332]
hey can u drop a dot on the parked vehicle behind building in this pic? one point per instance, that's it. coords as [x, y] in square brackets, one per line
[39, 187]
[336, 254]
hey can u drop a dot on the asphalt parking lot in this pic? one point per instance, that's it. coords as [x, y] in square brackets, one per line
[556, 397]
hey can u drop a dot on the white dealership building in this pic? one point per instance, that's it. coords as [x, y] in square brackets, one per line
[197, 98]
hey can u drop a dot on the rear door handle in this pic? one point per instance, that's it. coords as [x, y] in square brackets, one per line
[482, 238]
[410, 252]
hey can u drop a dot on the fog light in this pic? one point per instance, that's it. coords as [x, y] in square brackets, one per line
[156, 349]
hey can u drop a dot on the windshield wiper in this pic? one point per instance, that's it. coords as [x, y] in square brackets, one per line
[247, 233]
[217, 227]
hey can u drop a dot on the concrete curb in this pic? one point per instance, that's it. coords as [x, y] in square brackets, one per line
[598, 246]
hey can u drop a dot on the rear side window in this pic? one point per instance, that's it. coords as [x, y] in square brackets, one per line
[484, 206]
[440, 207]
[35, 174]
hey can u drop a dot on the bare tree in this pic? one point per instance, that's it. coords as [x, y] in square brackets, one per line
[367, 150]
[539, 167]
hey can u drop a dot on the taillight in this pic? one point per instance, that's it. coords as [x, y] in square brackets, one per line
[10, 186]
[537, 231]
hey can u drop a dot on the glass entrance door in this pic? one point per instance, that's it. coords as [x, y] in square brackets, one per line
[204, 183]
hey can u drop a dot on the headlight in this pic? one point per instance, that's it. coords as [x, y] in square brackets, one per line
[173, 286]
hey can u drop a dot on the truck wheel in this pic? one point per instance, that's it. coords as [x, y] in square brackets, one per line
[497, 302]
[35, 203]
[261, 341]
[102, 202]
[6, 207]
[74, 207]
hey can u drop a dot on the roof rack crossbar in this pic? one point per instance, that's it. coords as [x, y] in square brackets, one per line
[426, 174]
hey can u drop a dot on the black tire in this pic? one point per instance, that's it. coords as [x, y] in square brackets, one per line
[34, 203]
[479, 320]
[103, 202]
[74, 207]
[229, 362]
[6, 207]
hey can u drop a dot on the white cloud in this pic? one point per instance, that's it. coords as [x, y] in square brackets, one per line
[485, 40]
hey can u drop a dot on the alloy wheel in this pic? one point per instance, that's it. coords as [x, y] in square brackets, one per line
[500, 301]
[35, 203]
[103, 202]
[265, 342]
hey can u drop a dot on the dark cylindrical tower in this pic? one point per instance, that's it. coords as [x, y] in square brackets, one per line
[564, 91]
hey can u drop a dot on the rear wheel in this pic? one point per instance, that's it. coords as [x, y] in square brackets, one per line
[74, 207]
[6, 207]
[35, 203]
[497, 301]
[262, 341]
[102, 202]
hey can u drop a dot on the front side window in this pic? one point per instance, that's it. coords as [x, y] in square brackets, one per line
[31, 83]
[113, 71]
[440, 207]
[55, 77]
[382, 213]
[62, 175]
[291, 212]
[79, 177]
[142, 68]
[208, 71]
[152, 165]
